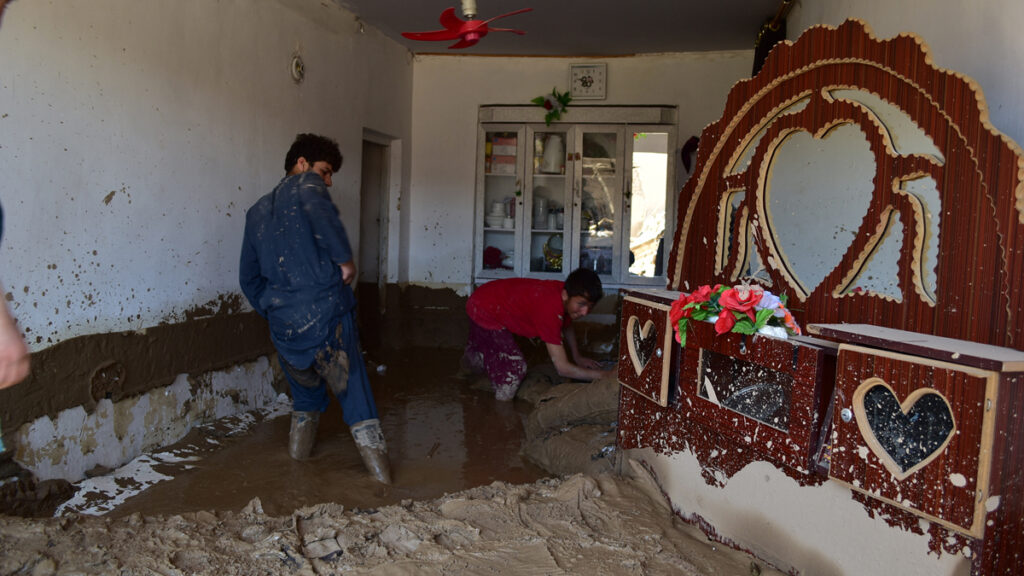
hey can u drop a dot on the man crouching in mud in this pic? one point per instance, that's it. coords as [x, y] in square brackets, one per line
[531, 308]
[296, 270]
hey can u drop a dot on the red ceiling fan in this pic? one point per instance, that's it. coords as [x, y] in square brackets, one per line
[468, 31]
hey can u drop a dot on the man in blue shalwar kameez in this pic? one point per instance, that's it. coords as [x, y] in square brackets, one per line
[296, 269]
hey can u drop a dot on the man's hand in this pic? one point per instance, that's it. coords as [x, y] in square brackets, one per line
[348, 272]
[567, 369]
[588, 363]
[13, 352]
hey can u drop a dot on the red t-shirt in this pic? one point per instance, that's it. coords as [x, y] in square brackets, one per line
[524, 306]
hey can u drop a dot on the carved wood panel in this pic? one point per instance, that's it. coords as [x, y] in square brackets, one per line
[945, 191]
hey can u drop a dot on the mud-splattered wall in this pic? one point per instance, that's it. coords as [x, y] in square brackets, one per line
[133, 136]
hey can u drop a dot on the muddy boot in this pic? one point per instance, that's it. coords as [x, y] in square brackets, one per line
[374, 451]
[302, 434]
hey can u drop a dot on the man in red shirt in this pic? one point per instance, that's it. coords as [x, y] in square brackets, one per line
[531, 308]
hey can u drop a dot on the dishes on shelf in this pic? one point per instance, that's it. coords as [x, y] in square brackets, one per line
[496, 218]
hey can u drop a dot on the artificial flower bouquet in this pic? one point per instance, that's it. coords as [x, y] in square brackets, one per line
[743, 309]
[554, 104]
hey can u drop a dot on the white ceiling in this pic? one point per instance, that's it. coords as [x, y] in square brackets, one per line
[580, 27]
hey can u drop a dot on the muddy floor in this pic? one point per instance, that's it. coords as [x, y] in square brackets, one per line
[228, 500]
[442, 437]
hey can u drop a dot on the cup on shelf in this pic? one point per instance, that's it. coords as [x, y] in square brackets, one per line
[508, 223]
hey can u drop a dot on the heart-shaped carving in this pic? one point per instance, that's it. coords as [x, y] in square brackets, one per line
[906, 436]
[641, 342]
[830, 176]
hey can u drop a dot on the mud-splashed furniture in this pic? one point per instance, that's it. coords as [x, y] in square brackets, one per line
[867, 185]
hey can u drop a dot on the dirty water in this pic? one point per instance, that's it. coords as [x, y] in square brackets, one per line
[442, 437]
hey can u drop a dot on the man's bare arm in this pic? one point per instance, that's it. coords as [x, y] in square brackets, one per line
[567, 369]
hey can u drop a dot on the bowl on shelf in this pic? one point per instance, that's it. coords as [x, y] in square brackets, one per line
[494, 221]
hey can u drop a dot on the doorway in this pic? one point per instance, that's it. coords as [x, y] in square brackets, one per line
[373, 193]
[379, 234]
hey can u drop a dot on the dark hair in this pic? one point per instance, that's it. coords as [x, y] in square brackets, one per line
[313, 148]
[584, 282]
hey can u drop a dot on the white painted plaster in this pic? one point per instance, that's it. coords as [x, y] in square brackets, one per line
[447, 94]
[76, 441]
[135, 133]
[816, 530]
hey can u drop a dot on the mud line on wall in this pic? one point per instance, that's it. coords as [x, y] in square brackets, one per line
[117, 365]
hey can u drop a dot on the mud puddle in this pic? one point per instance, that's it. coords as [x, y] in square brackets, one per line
[442, 437]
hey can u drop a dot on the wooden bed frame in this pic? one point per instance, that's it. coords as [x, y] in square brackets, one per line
[915, 301]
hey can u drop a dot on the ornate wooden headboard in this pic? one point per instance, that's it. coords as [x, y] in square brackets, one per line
[866, 184]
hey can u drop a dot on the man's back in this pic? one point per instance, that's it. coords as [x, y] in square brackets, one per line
[289, 269]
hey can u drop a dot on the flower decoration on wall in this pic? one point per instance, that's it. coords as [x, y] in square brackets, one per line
[743, 309]
[555, 103]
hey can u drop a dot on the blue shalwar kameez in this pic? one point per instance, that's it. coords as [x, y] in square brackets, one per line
[289, 271]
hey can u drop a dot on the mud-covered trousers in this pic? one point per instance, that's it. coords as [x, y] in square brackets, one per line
[338, 367]
[496, 353]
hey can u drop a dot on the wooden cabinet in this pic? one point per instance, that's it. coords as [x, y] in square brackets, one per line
[915, 421]
[648, 352]
[594, 193]
[768, 394]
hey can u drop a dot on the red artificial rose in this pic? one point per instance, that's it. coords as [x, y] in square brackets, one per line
[725, 322]
[677, 312]
[702, 294]
[548, 105]
[741, 300]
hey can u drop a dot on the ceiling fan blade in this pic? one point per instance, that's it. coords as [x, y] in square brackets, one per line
[449, 20]
[464, 43]
[512, 30]
[432, 35]
[520, 11]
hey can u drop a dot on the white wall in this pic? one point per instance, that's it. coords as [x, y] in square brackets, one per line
[135, 133]
[981, 39]
[447, 93]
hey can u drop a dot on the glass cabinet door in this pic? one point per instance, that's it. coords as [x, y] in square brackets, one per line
[598, 183]
[544, 212]
[647, 202]
[498, 207]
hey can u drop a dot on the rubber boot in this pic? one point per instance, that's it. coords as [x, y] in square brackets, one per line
[374, 451]
[302, 434]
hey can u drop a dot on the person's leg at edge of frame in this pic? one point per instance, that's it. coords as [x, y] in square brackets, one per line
[309, 400]
[359, 410]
